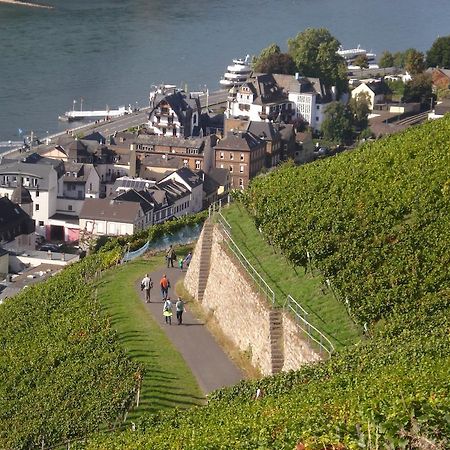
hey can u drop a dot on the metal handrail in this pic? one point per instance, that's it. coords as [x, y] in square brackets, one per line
[313, 333]
[308, 328]
[259, 280]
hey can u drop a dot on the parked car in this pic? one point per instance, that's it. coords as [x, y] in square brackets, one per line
[49, 247]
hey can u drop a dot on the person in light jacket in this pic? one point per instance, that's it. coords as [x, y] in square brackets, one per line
[167, 311]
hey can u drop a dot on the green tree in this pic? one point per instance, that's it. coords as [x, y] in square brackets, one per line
[419, 89]
[314, 52]
[276, 63]
[272, 49]
[439, 53]
[414, 61]
[399, 59]
[337, 125]
[362, 61]
[386, 59]
[360, 108]
[397, 87]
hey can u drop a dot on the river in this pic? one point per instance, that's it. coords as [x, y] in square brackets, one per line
[110, 52]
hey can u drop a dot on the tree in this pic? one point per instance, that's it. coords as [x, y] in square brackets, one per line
[419, 89]
[439, 53]
[414, 62]
[386, 59]
[276, 63]
[337, 125]
[399, 59]
[272, 49]
[314, 52]
[360, 108]
[362, 61]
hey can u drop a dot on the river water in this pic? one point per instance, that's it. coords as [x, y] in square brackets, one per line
[110, 52]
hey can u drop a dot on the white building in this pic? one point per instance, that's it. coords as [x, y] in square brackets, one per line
[174, 113]
[283, 98]
[309, 97]
[41, 180]
[259, 99]
[108, 217]
[377, 92]
[188, 198]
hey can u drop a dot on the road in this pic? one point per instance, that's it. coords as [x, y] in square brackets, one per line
[109, 127]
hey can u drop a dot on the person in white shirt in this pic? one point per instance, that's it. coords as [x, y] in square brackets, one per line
[179, 306]
[146, 285]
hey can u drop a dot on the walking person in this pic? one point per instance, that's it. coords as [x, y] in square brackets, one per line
[179, 307]
[146, 285]
[165, 285]
[167, 311]
[187, 259]
[170, 256]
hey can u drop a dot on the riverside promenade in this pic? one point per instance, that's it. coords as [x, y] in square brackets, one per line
[208, 362]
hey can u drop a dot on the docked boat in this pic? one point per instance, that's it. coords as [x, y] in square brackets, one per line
[237, 73]
[351, 54]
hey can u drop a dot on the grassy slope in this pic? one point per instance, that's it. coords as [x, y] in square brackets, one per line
[167, 382]
[325, 311]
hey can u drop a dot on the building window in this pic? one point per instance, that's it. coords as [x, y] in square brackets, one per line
[317, 119]
[37, 193]
[242, 157]
[221, 155]
[197, 164]
[241, 183]
[41, 223]
[37, 207]
[231, 156]
[69, 207]
[185, 162]
[241, 169]
[317, 107]
[221, 166]
[231, 168]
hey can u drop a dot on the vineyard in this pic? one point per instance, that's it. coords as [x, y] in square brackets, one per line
[63, 370]
[376, 223]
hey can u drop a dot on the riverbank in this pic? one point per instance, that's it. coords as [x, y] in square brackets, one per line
[32, 5]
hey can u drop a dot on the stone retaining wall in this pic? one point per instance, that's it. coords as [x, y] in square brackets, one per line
[241, 312]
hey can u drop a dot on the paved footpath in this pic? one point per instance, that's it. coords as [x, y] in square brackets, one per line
[207, 361]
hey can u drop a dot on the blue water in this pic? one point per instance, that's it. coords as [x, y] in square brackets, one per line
[110, 52]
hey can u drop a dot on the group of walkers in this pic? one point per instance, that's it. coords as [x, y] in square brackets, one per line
[171, 256]
[147, 285]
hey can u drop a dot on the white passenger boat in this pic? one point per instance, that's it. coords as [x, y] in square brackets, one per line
[237, 73]
[351, 54]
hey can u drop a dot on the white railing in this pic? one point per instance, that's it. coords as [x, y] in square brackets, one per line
[264, 288]
[312, 333]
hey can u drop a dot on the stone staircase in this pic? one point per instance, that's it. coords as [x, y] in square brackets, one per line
[205, 259]
[276, 340]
